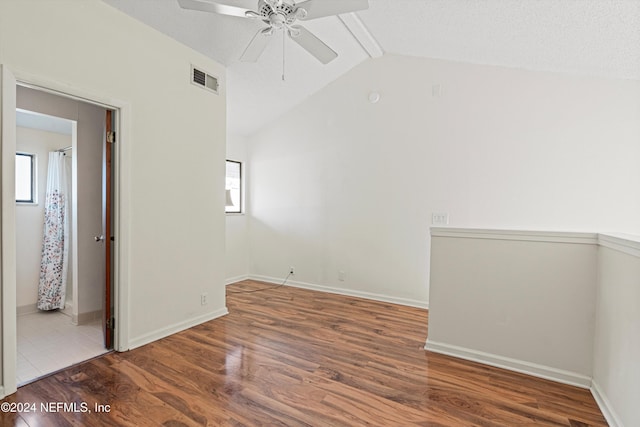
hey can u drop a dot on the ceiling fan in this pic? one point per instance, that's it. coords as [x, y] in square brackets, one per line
[281, 15]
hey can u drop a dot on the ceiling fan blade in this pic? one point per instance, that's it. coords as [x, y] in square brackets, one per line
[240, 8]
[312, 44]
[257, 45]
[321, 8]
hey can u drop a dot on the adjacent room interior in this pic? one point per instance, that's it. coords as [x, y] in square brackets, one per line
[478, 160]
[60, 144]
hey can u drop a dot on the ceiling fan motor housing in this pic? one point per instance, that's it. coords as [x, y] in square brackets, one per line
[278, 15]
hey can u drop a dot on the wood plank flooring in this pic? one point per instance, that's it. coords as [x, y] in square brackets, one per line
[293, 357]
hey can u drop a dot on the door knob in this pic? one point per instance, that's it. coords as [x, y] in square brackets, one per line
[99, 238]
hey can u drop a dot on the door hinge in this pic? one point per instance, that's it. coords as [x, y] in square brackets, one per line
[111, 137]
[111, 323]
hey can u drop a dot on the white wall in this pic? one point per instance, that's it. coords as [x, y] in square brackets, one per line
[520, 300]
[559, 305]
[342, 184]
[172, 203]
[616, 369]
[237, 226]
[30, 217]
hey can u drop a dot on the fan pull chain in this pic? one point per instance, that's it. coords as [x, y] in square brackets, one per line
[283, 43]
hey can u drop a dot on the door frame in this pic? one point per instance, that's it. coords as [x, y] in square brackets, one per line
[121, 210]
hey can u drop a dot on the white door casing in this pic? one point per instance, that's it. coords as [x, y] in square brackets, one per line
[8, 341]
[8, 230]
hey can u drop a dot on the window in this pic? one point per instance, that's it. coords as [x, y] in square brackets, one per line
[233, 187]
[25, 178]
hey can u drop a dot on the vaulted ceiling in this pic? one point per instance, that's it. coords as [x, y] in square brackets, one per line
[588, 37]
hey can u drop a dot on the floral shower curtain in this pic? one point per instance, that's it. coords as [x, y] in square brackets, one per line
[53, 267]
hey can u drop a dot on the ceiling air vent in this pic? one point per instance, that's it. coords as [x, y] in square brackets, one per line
[202, 79]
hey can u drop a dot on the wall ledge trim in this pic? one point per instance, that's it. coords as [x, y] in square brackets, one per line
[521, 366]
[521, 235]
[605, 406]
[629, 245]
[626, 243]
[175, 328]
[342, 291]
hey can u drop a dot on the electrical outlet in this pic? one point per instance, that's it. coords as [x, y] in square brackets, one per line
[342, 275]
[292, 270]
[203, 299]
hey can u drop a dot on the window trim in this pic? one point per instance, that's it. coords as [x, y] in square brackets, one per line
[34, 179]
[240, 210]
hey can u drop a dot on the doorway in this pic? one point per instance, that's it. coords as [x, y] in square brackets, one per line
[9, 81]
[51, 337]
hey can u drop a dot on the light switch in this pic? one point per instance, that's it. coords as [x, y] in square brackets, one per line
[439, 219]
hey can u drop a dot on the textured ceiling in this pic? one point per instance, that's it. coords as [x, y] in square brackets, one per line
[592, 37]
[596, 37]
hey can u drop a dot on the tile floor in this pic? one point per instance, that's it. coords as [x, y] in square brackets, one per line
[48, 342]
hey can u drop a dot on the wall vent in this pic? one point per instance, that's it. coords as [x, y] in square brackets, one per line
[204, 80]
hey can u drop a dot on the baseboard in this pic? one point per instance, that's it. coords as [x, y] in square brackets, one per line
[521, 366]
[27, 309]
[68, 309]
[175, 328]
[79, 319]
[343, 291]
[605, 406]
[231, 280]
[84, 318]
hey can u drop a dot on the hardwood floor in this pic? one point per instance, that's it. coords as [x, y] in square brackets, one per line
[292, 357]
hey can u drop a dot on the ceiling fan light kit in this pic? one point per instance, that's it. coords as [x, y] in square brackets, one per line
[281, 15]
